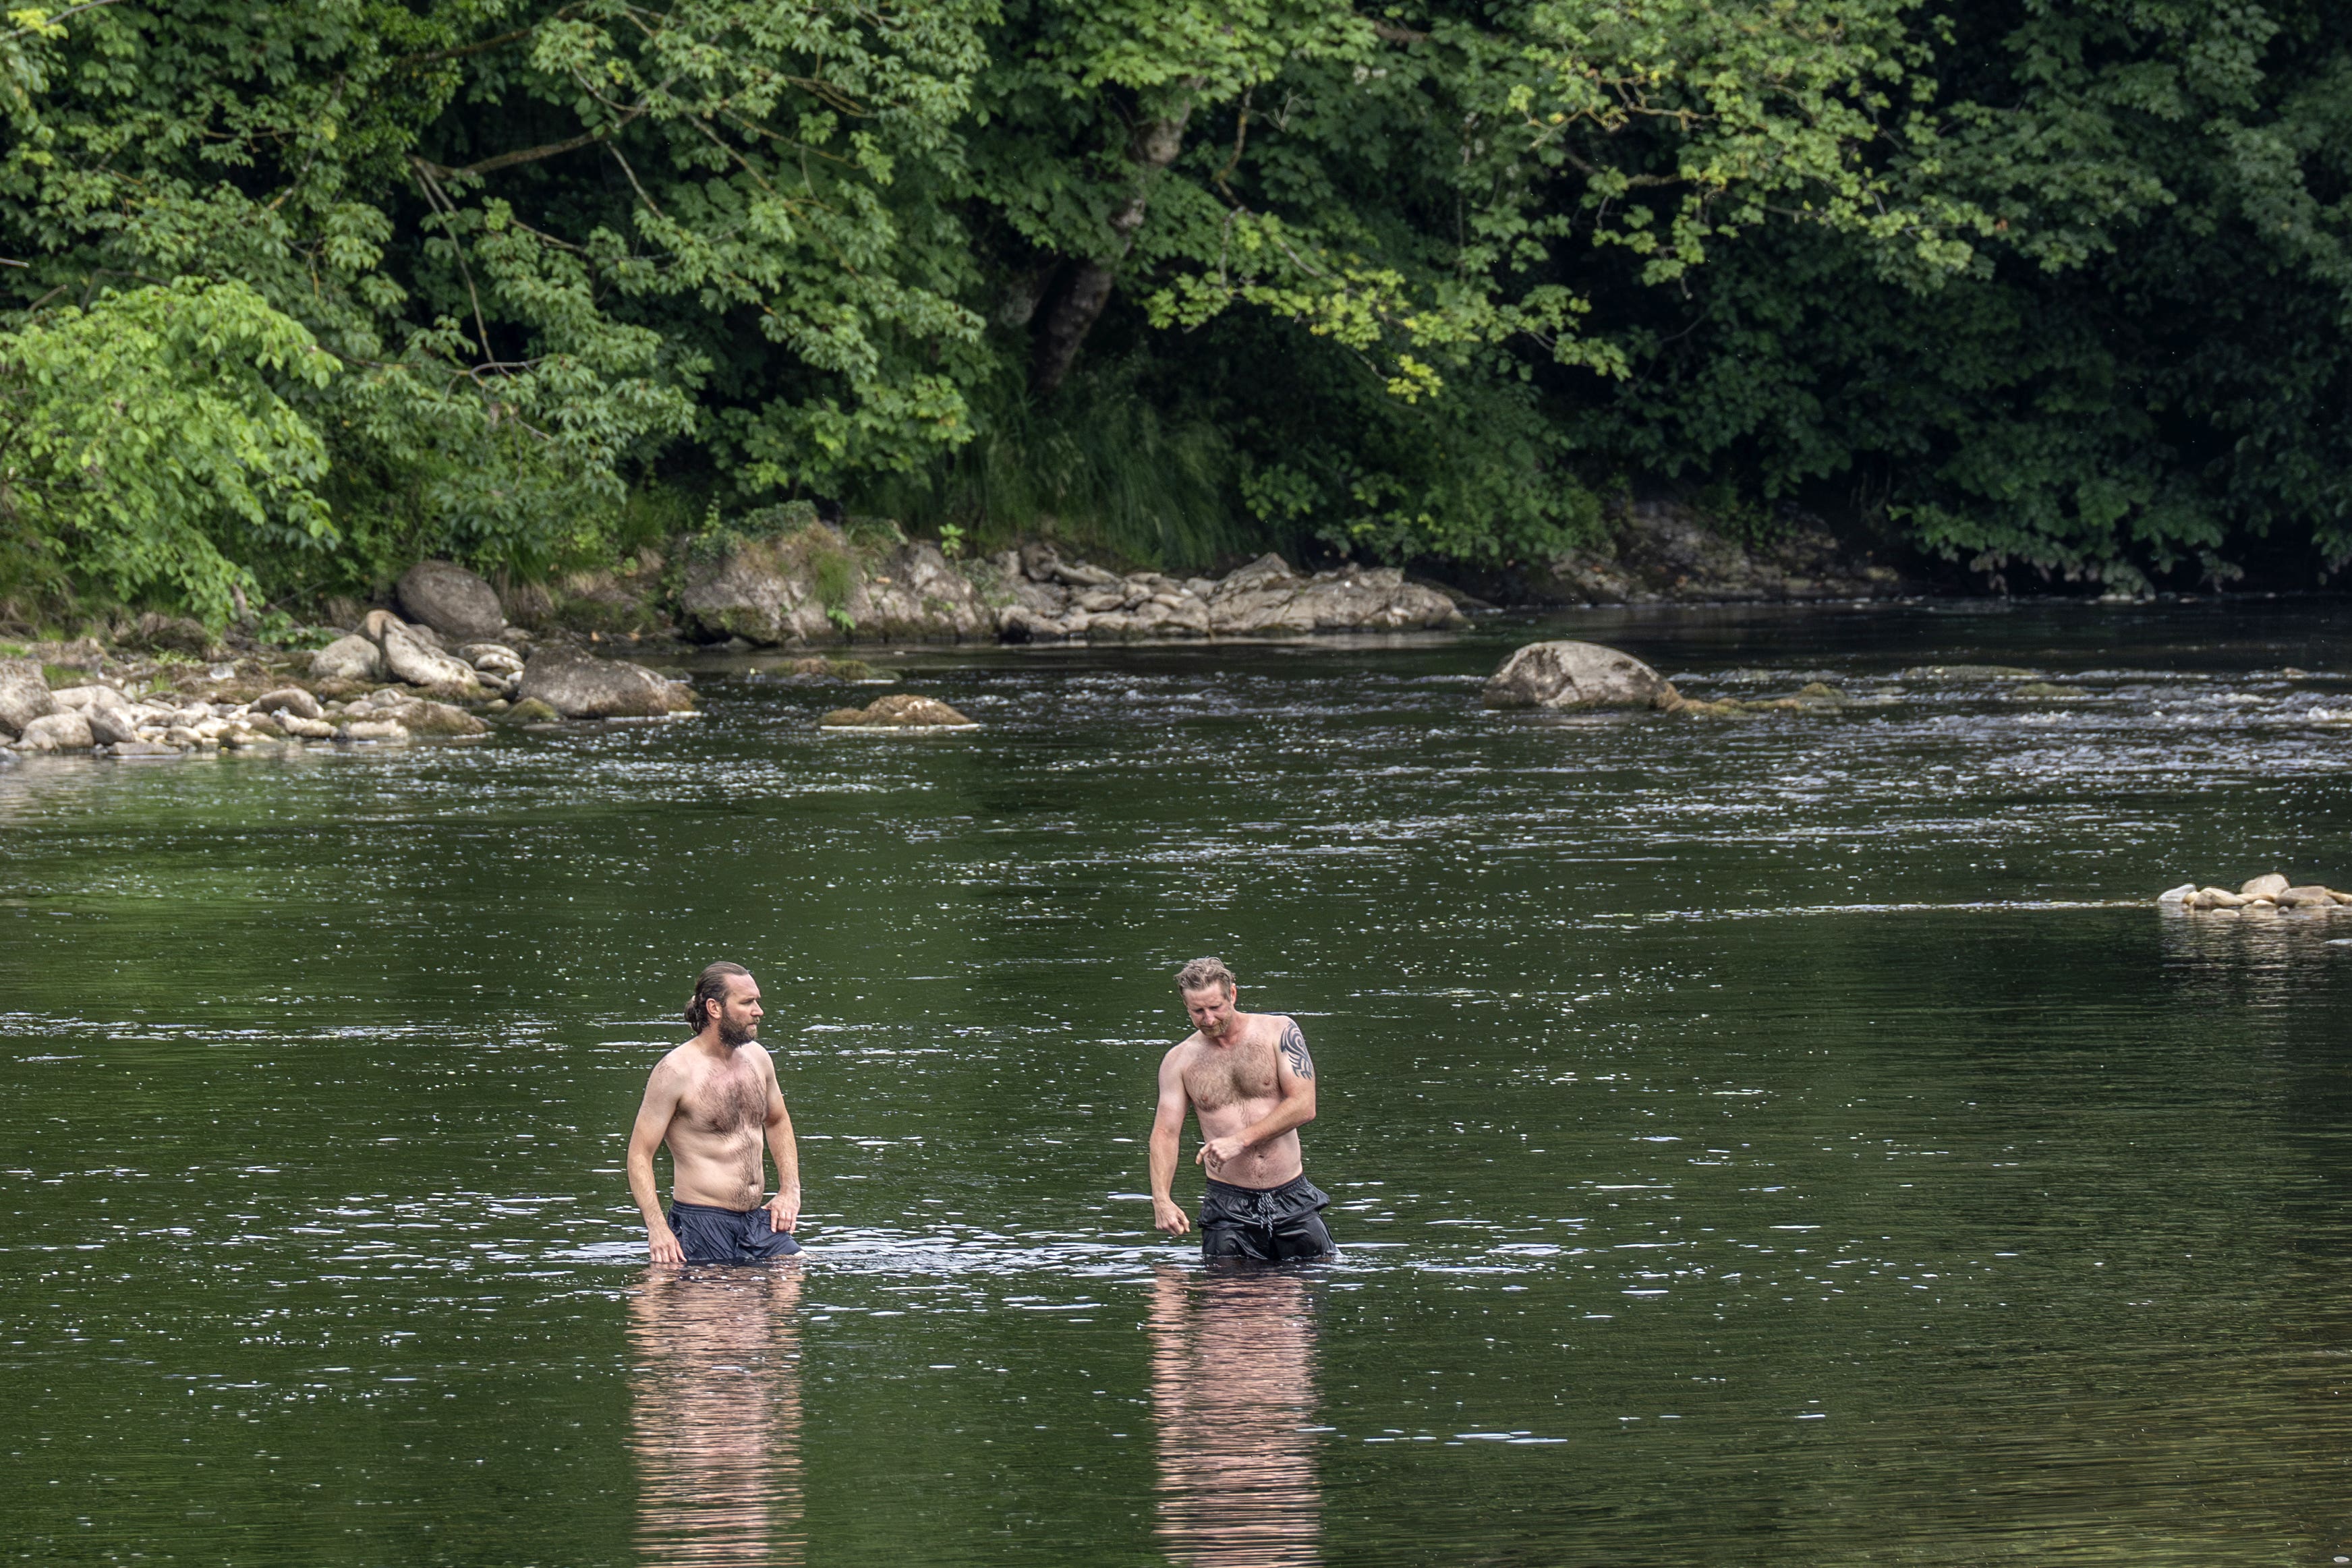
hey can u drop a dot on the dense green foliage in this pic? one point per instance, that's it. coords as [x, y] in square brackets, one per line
[2061, 285]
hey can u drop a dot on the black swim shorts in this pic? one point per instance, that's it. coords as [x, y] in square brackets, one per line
[712, 1235]
[1266, 1225]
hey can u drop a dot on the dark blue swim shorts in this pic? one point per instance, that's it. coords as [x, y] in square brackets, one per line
[712, 1235]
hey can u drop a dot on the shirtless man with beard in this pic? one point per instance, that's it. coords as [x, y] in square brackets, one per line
[711, 1100]
[1248, 1080]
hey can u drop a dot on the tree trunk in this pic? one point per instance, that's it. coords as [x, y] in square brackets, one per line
[1073, 314]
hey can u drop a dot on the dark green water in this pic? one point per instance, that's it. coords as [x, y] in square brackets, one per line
[1791, 1141]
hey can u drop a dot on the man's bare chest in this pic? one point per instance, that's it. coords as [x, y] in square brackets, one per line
[725, 1105]
[1222, 1076]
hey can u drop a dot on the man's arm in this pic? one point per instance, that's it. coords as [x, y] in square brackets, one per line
[1293, 1080]
[1167, 1127]
[653, 1115]
[784, 1208]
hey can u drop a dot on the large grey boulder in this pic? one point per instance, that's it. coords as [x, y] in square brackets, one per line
[1570, 674]
[352, 658]
[915, 593]
[23, 696]
[758, 593]
[581, 686]
[57, 732]
[110, 726]
[451, 599]
[768, 592]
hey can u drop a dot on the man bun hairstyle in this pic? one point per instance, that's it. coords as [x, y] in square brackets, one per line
[1201, 974]
[711, 987]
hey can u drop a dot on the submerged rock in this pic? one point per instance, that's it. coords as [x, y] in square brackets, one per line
[900, 710]
[581, 686]
[451, 599]
[1966, 673]
[1572, 675]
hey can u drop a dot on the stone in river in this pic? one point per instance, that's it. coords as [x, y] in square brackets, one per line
[2176, 895]
[139, 750]
[531, 710]
[23, 696]
[289, 699]
[581, 686]
[110, 726]
[352, 658]
[2268, 887]
[900, 710]
[1570, 674]
[452, 600]
[2310, 895]
[419, 716]
[57, 732]
[411, 661]
[373, 730]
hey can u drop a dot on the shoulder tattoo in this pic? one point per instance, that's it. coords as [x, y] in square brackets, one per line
[1294, 1051]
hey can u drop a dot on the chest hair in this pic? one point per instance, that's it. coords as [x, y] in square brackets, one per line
[727, 1105]
[1217, 1078]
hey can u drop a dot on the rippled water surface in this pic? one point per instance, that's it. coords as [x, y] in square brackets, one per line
[1792, 1140]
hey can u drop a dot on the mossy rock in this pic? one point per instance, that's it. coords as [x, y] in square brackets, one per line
[849, 672]
[2046, 689]
[611, 612]
[531, 710]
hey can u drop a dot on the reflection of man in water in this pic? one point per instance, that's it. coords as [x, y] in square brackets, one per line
[710, 1101]
[1248, 1080]
[1233, 1381]
[715, 1396]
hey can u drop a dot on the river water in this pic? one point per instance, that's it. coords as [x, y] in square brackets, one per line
[1789, 1140]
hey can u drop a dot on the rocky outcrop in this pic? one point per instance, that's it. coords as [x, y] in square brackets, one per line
[386, 647]
[813, 587]
[1050, 599]
[1570, 674]
[580, 686]
[23, 696]
[2268, 895]
[451, 599]
[1663, 552]
[900, 710]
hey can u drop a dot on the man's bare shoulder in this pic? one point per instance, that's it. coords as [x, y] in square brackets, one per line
[1184, 1053]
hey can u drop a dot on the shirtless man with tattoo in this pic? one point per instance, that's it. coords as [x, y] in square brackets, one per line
[1249, 1081]
[711, 1100]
